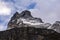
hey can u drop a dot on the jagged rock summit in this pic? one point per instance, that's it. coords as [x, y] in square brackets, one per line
[26, 14]
[24, 17]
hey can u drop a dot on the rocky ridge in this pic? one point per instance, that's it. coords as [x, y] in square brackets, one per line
[23, 26]
[26, 18]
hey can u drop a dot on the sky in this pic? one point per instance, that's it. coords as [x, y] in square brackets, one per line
[47, 10]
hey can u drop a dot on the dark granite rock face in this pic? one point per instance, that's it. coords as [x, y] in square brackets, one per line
[14, 20]
[29, 33]
[26, 14]
[15, 16]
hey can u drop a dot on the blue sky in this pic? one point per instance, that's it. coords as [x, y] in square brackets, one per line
[47, 10]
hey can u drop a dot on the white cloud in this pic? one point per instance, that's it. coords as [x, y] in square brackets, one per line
[46, 17]
[35, 13]
[48, 10]
[4, 9]
[2, 27]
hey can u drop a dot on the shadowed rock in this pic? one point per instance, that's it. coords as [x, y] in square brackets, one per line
[26, 14]
[29, 33]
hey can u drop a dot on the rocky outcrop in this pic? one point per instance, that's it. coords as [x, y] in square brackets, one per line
[56, 26]
[29, 33]
[24, 17]
[26, 14]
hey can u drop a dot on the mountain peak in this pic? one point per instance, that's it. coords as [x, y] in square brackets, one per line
[16, 15]
[26, 14]
[24, 17]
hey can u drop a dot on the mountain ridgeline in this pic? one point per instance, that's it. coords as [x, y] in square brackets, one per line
[24, 17]
[23, 26]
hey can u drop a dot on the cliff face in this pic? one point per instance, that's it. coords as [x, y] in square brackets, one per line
[29, 33]
[24, 26]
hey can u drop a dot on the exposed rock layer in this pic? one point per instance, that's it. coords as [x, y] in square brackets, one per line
[29, 33]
